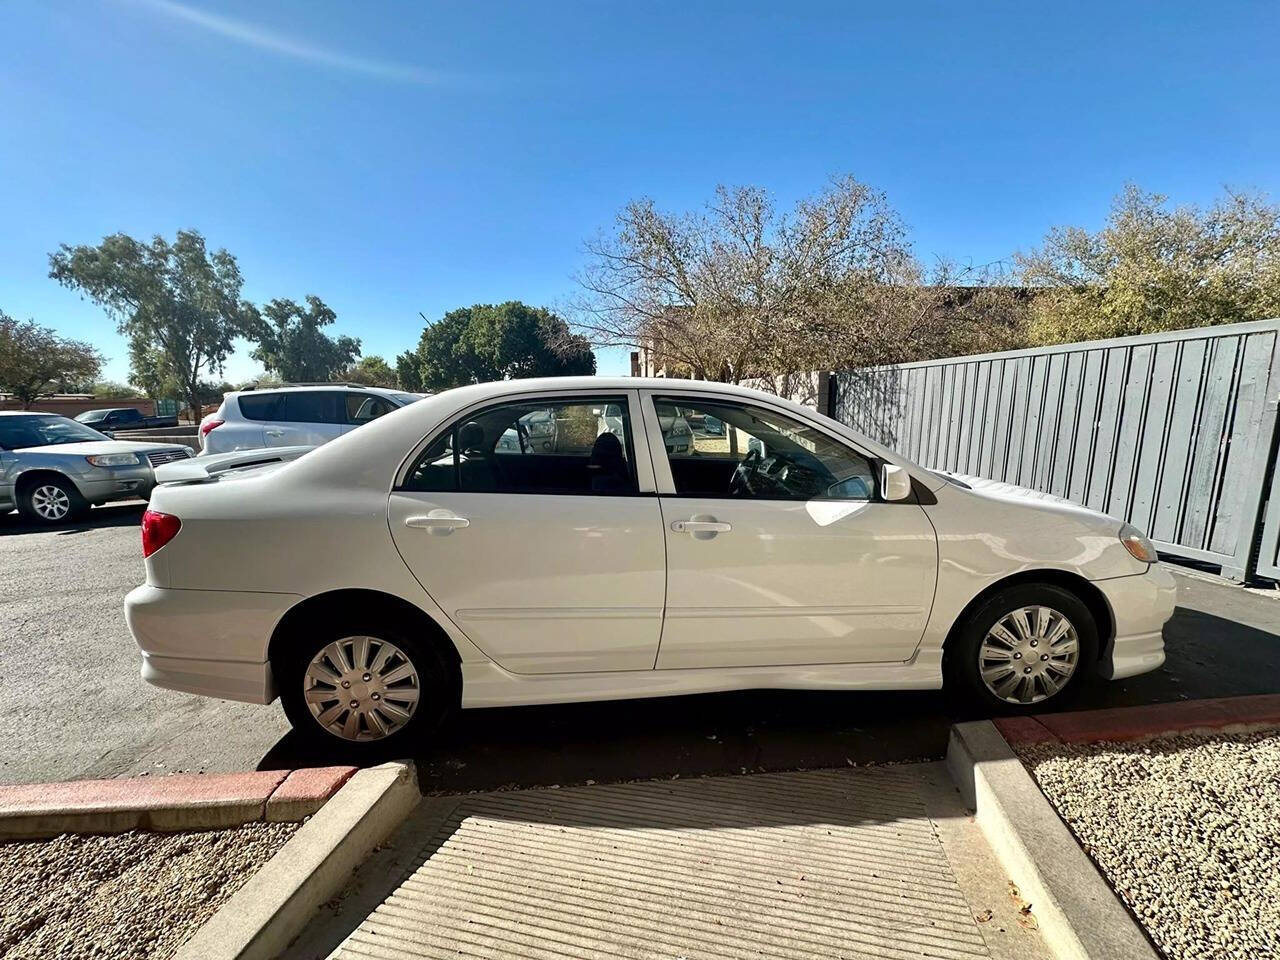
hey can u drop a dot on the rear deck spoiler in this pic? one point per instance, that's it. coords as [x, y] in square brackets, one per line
[204, 468]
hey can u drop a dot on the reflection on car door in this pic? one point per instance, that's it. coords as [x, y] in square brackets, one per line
[807, 567]
[550, 558]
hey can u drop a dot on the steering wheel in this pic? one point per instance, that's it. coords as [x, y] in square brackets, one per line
[740, 483]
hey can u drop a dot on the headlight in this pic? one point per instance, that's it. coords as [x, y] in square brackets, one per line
[1136, 542]
[112, 459]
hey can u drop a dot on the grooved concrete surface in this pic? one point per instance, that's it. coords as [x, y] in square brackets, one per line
[832, 863]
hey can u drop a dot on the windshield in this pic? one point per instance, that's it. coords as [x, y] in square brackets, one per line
[39, 430]
[89, 415]
[404, 399]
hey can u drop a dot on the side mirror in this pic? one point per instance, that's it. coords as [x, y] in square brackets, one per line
[109, 434]
[895, 483]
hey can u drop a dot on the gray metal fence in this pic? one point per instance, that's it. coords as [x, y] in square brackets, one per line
[1174, 432]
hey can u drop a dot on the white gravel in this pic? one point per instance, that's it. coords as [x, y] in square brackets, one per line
[130, 895]
[1185, 828]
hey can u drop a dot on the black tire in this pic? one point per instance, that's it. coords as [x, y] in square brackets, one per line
[34, 495]
[961, 666]
[438, 685]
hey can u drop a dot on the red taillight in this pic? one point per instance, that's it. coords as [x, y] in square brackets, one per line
[157, 530]
[210, 425]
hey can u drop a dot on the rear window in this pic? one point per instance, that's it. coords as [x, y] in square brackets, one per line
[260, 406]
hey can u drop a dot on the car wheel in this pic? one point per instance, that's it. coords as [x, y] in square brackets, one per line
[1025, 648]
[50, 501]
[366, 687]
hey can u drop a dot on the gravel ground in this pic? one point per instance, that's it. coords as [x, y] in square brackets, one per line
[135, 895]
[1186, 829]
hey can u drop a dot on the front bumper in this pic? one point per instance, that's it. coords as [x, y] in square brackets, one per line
[116, 483]
[1140, 607]
[210, 642]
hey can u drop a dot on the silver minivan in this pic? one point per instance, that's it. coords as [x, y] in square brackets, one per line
[293, 416]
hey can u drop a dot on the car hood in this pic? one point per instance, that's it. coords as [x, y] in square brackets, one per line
[90, 447]
[1025, 496]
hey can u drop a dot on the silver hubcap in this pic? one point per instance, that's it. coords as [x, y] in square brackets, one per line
[1029, 655]
[50, 502]
[361, 688]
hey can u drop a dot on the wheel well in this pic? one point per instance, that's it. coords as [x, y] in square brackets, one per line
[375, 604]
[30, 478]
[1085, 591]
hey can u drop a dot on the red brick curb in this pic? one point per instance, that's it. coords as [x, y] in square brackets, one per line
[182, 801]
[1137, 723]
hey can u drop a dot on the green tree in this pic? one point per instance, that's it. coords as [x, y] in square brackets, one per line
[292, 342]
[111, 390]
[372, 371]
[178, 304]
[34, 360]
[407, 372]
[1153, 267]
[506, 341]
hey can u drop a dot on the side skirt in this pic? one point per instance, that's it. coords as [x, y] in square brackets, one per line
[485, 684]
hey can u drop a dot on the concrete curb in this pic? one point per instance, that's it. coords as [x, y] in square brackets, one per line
[182, 801]
[1235, 714]
[277, 903]
[1081, 917]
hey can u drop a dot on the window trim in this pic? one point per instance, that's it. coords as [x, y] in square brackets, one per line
[662, 467]
[638, 454]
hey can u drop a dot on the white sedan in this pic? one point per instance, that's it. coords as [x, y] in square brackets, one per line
[419, 564]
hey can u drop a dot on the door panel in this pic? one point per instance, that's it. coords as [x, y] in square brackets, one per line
[796, 582]
[542, 583]
[778, 550]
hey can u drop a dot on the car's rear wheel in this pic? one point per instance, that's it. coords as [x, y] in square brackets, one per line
[365, 686]
[1025, 648]
[51, 500]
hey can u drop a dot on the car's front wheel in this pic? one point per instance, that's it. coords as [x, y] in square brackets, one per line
[1025, 648]
[368, 687]
[51, 500]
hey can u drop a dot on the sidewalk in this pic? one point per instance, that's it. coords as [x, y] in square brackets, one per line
[857, 863]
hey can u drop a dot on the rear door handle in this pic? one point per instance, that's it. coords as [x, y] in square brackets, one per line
[274, 433]
[437, 524]
[700, 526]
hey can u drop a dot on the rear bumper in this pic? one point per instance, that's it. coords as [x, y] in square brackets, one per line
[209, 642]
[1140, 606]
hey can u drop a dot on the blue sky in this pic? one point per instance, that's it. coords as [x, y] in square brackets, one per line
[398, 157]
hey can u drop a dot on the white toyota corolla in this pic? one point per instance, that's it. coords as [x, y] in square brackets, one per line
[539, 541]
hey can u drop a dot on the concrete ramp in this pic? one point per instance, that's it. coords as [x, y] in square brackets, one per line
[833, 863]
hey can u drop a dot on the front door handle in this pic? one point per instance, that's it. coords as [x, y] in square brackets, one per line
[274, 433]
[440, 524]
[700, 526]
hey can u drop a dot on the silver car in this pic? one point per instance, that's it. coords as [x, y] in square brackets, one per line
[53, 469]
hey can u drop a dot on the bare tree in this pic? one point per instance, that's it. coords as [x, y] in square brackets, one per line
[740, 290]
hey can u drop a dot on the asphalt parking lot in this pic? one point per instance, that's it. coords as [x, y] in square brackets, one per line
[75, 706]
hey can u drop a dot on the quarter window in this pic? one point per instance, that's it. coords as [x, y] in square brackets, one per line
[578, 446]
[732, 450]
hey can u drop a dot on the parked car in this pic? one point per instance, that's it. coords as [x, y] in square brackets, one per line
[415, 565]
[53, 468]
[123, 418]
[295, 415]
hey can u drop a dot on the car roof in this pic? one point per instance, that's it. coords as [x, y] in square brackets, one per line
[293, 388]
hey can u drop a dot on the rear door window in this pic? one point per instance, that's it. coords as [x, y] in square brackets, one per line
[314, 406]
[260, 406]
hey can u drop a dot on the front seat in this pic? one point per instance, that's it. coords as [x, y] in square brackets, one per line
[475, 467]
[608, 466]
